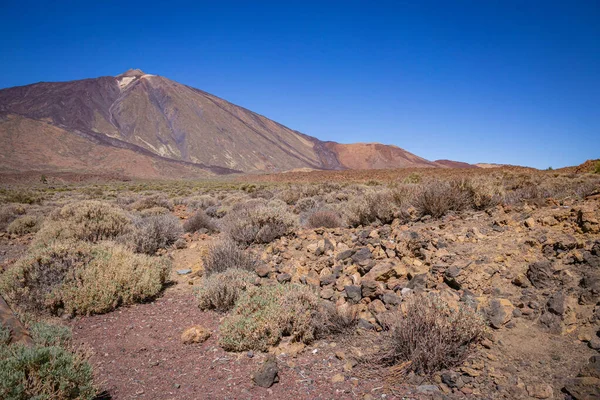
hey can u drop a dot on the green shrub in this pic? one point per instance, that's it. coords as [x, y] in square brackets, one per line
[46, 370]
[24, 225]
[597, 168]
[222, 290]
[431, 335]
[264, 314]
[82, 278]
[88, 220]
[259, 224]
[5, 335]
[50, 335]
[153, 233]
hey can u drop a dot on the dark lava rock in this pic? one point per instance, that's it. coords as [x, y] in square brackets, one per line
[268, 373]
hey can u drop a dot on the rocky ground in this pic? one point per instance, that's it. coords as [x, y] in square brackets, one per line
[533, 271]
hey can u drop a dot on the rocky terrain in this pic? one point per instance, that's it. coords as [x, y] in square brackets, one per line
[517, 250]
[147, 126]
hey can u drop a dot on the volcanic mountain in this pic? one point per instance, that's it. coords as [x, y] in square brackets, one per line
[147, 126]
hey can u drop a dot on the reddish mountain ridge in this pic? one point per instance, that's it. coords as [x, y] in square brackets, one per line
[147, 126]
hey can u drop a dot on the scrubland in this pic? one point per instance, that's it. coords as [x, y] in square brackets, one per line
[425, 281]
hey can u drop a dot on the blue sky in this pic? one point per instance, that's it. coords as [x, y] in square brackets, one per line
[505, 81]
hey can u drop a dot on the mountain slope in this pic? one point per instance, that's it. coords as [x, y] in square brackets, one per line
[164, 120]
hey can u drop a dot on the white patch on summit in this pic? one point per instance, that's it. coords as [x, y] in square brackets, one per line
[126, 80]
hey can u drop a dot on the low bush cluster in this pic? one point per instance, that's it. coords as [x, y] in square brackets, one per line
[265, 314]
[88, 220]
[151, 202]
[260, 223]
[78, 277]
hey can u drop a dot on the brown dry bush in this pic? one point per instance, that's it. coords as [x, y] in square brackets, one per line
[224, 255]
[336, 320]
[199, 220]
[9, 213]
[371, 207]
[440, 197]
[430, 334]
[220, 291]
[324, 219]
[22, 196]
[88, 220]
[153, 233]
[259, 224]
[265, 314]
[82, 278]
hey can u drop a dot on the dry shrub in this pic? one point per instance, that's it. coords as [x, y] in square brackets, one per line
[88, 220]
[263, 315]
[337, 320]
[199, 220]
[259, 224]
[305, 204]
[440, 197]
[224, 255]
[220, 291]
[152, 201]
[371, 207]
[324, 219]
[431, 335]
[154, 211]
[82, 278]
[49, 369]
[201, 202]
[154, 233]
[24, 225]
[9, 213]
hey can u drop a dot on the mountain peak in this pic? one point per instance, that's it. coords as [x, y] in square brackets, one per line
[131, 73]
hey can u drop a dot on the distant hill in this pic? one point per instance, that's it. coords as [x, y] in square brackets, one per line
[454, 164]
[148, 126]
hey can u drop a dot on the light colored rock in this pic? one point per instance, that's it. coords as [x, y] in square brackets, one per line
[195, 334]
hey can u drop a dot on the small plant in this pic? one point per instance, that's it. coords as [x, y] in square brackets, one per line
[324, 219]
[597, 168]
[46, 370]
[153, 233]
[152, 201]
[431, 335]
[264, 314]
[24, 225]
[222, 290]
[199, 220]
[438, 198]
[225, 255]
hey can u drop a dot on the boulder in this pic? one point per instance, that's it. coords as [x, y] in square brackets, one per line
[268, 373]
[195, 334]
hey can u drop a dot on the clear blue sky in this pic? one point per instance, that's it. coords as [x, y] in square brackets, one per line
[479, 81]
